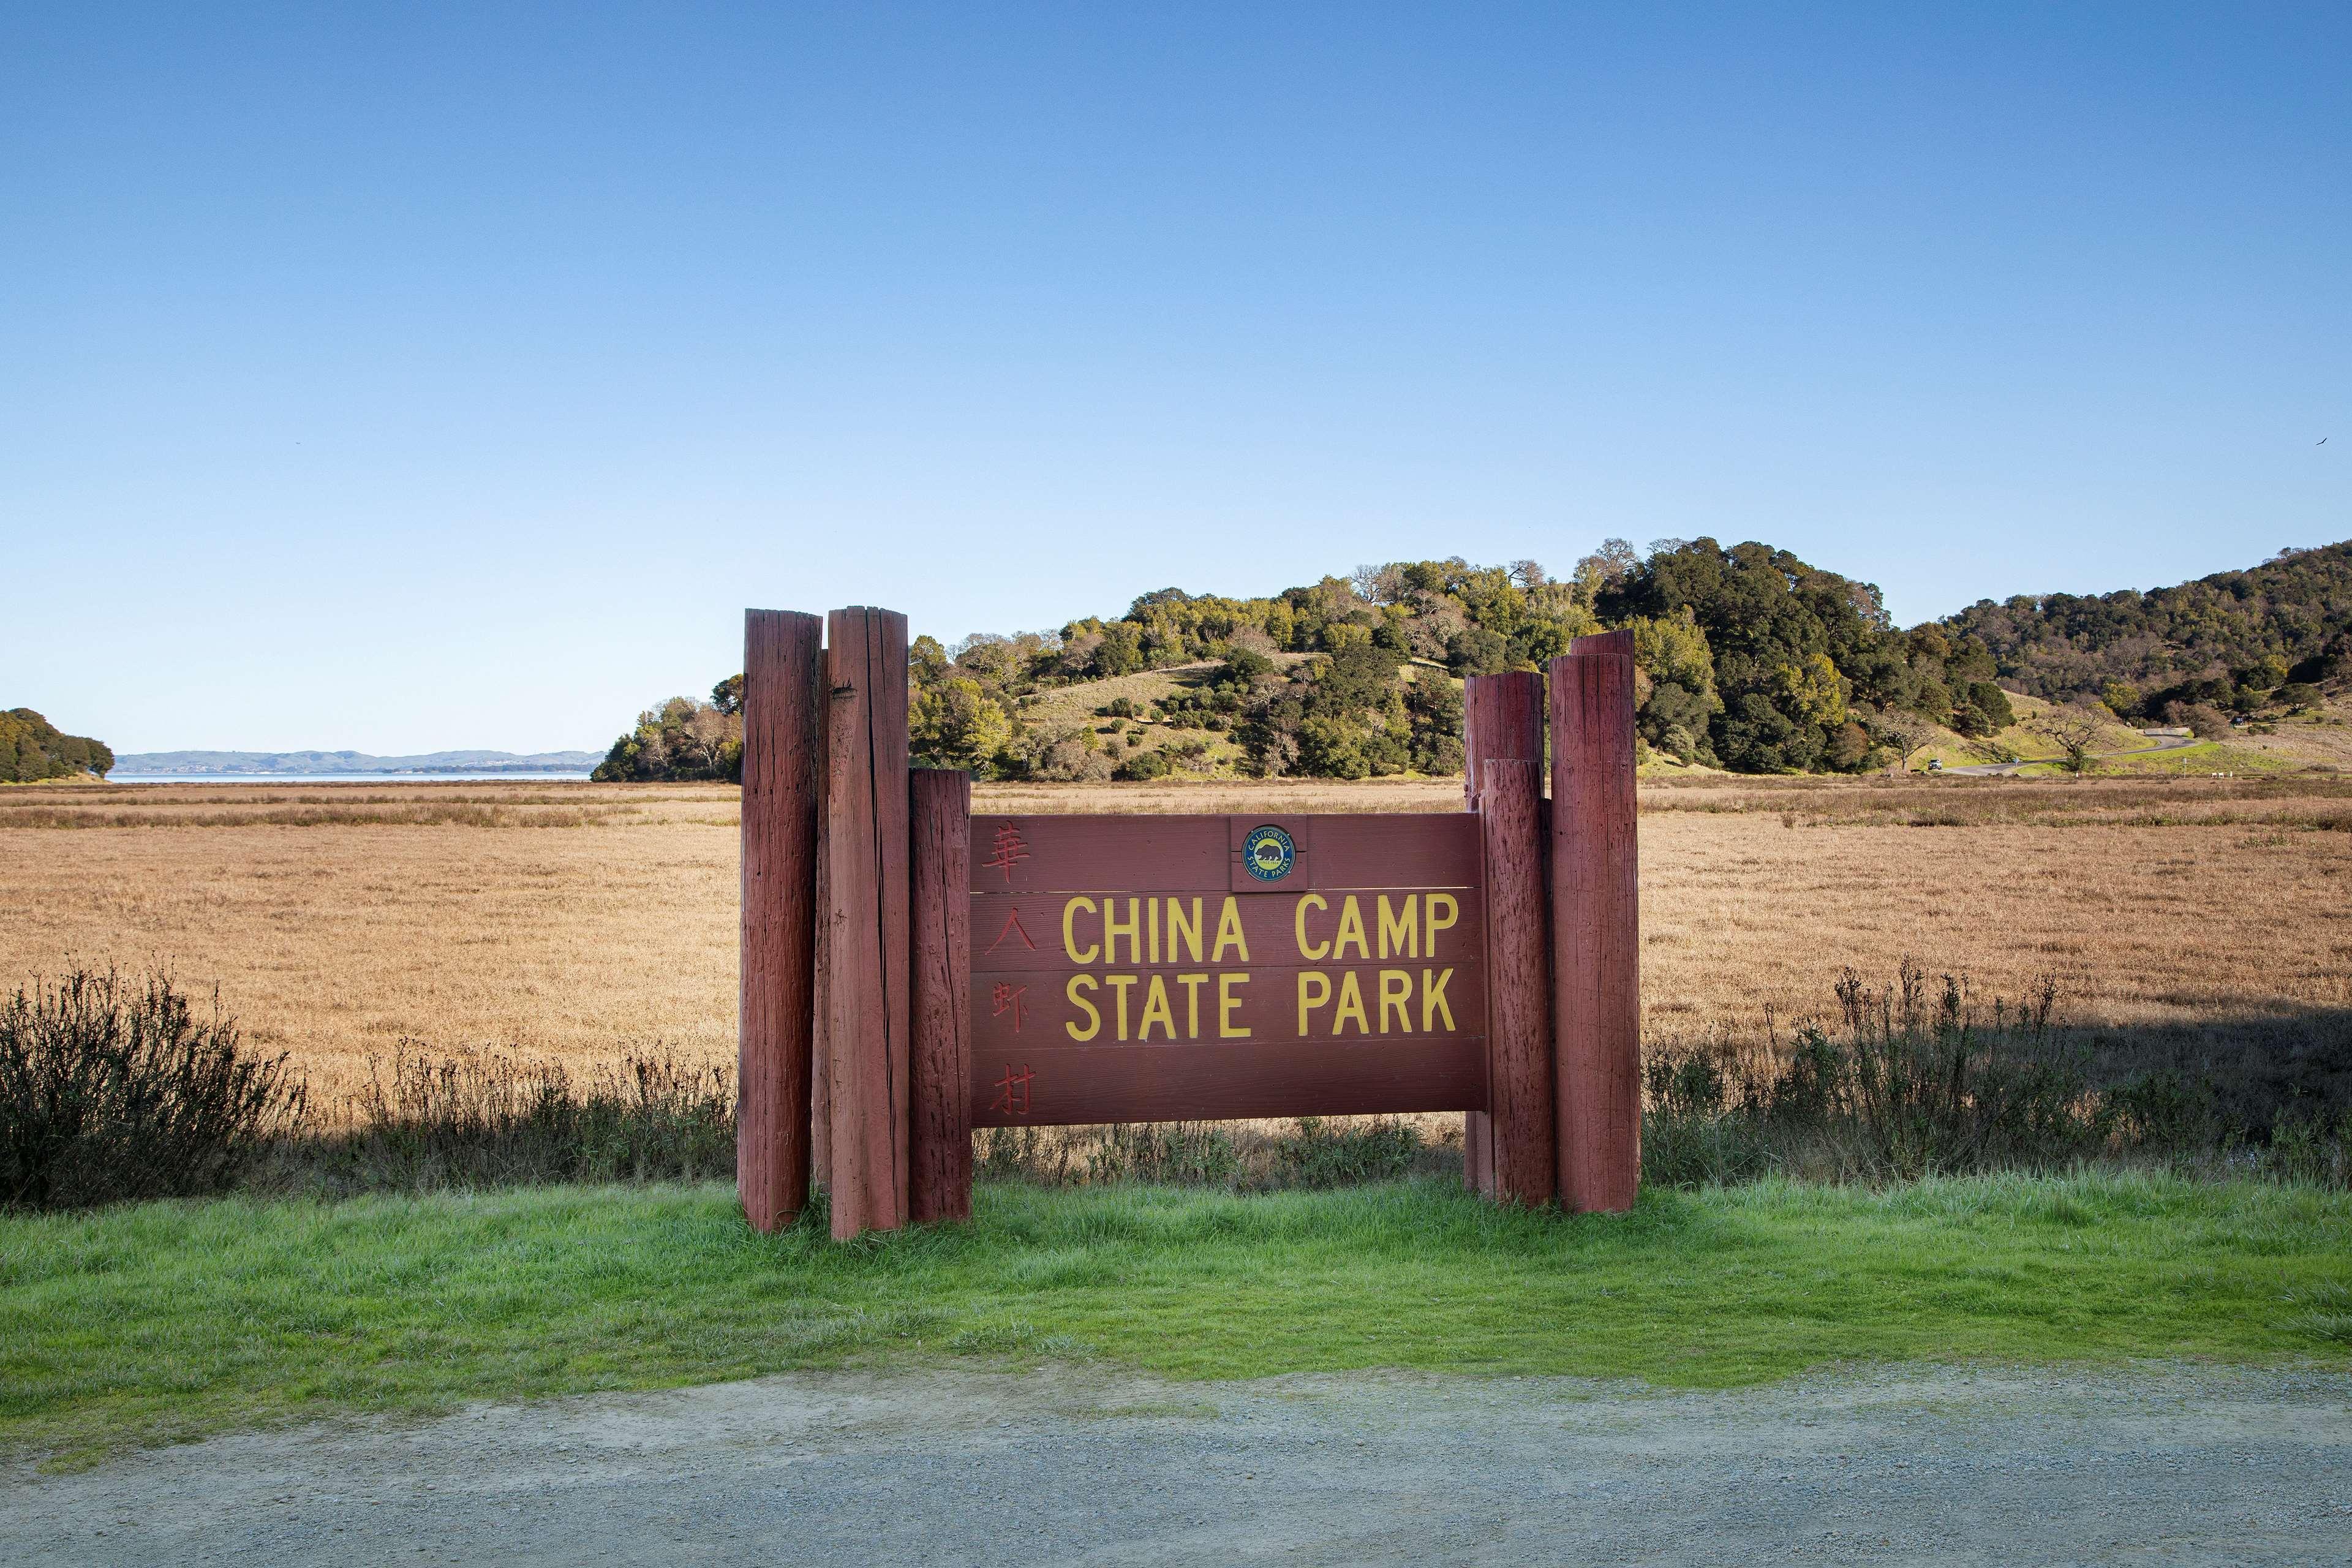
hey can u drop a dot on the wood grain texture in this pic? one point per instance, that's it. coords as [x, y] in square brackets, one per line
[782, 800]
[887, 656]
[819, 1052]
[1068, 853]
[939, 1153]
[1066, 1085]
[1519, 1093]
[1596, 944]
[1501, 717]
[867, 997]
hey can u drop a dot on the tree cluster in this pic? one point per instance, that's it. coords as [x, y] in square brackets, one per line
[2235, 641]
[1752, 660]
[682, 739]
[1350, 711]
[1747, 659]
[32, 748]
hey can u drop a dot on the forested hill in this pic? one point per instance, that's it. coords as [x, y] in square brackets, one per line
[1749, 658]
[2288, 619]
[32, 749]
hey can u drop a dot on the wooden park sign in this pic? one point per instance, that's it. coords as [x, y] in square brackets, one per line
[911, 971]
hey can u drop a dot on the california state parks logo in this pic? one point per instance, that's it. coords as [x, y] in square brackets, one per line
[1269, 853]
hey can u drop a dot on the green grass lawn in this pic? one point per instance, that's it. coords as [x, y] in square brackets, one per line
[2196, 760]
[167, 1320]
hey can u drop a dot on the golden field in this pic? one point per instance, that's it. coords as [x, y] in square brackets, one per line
[571, 921]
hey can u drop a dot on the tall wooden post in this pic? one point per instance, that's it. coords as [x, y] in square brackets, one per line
[940, 1158]
[868, 987]
[820, 1054]
[1596, 943]
[1501, 717]
[783, 798]
[1519, 982]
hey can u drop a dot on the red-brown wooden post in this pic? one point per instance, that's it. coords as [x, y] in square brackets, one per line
[783, 797]
[820, 1056]
[940, 1156]
[1501, 717]
[867, 988]
[1596, 942]
[1519, 982]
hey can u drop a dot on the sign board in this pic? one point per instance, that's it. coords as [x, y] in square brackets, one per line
[913, 970]
[1157, 968]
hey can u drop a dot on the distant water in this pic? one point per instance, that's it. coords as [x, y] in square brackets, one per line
[580, 777]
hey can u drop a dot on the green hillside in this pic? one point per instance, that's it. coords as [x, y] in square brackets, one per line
[2229, 640]
[1749, 659]
[33, 749]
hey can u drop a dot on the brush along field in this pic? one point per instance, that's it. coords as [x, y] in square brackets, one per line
[567, 923]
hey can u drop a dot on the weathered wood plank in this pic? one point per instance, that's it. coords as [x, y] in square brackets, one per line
[939, 1180]
[1203, 853]
[1596, 944]
[1062, 1085]
[867, 954]
[886, 643]
[784, 791]
[1519, 1094]
[1502, 717]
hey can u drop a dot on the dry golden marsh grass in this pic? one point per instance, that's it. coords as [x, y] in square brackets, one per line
[568, 921]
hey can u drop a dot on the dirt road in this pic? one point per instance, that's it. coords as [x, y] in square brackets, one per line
[2170, 1465]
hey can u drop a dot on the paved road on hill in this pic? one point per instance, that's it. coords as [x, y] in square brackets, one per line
[2158, 1465]
[1994, 770]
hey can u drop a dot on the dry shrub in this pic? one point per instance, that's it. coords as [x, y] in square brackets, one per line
[430, 1120]
[1912, 1081]
[114, 1089]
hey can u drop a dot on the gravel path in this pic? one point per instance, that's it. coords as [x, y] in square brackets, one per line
[2164, 1465]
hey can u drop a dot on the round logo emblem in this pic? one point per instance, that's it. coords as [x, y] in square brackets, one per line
[1269, 853]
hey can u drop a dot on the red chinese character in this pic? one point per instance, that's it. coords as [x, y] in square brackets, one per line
[1013, 924]
[1009, 851]
[1006, 997]
[1012, 1091]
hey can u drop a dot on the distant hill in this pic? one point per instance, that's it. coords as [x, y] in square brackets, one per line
[1748, 658]
[32, 749]
[2289, 618]
[199, 763]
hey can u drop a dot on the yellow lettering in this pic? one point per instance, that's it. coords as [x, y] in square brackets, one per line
[1188, 931]
[1400, 933]
[1298, 921]
[1351, 1004]
[1191, 985]
[1155, 1007]
[1114, 928]
[1352, 928]
[1229, 930]
[1151, 914]
[1396, 991]
[1069, 931]
[1094, 1019]
[1119, 982]
[1319, 984]
[1434, 925]
[1433, 999]
[1227, 1005]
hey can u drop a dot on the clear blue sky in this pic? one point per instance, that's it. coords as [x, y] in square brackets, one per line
[403, 377]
